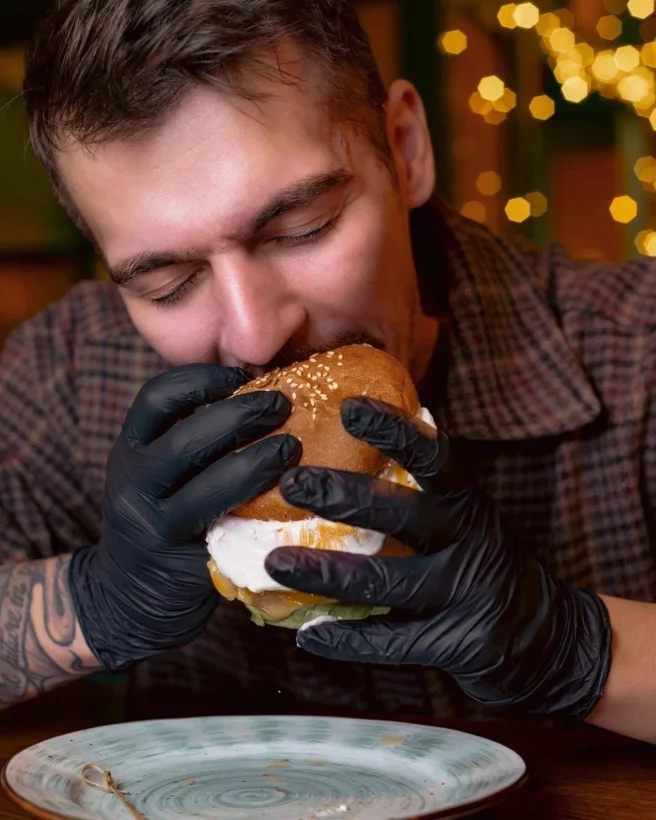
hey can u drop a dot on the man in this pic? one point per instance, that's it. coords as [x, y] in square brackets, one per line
[258, 195]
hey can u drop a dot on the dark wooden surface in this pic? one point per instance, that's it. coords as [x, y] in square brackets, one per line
[576, 774]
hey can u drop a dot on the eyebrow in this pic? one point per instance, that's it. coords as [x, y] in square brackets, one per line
[299, 195]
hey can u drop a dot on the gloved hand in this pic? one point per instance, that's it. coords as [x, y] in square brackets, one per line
[145, 586]
[473, 603]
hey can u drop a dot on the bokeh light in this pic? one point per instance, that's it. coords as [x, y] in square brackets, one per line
[575, 89]
[609, 27]
[542, 107]
[526, 15]
[604, 67]
[538, 203]
[640, 8]
[453, 42]
[491, 88]
[648, 54]
[645, 242]
[624, 209]
[562, 40]
[489, 183]
[474, 210]
[645, 170]
[627, 58]
[518, 209]
[506, 15]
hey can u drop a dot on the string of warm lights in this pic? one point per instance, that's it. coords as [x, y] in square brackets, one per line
[626, 73]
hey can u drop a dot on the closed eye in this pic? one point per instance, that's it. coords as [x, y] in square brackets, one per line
[302, 239]
[172, 297]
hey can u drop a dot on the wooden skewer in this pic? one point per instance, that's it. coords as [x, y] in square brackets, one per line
[109, 785]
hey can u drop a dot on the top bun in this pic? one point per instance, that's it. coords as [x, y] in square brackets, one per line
[316, 389]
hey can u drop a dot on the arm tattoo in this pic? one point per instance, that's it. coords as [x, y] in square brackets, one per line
[41, 644]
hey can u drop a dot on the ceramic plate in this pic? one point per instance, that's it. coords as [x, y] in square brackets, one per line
[265, 768]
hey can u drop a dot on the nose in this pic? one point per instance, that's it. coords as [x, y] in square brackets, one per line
[259, 311]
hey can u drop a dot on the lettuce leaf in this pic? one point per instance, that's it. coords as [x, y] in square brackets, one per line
[302, 616]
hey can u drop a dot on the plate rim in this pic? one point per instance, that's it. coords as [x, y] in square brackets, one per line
[463, 810]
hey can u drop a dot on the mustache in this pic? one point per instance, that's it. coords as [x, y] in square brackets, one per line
[293, 352]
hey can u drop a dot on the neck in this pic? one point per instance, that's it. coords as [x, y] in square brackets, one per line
[426, 336]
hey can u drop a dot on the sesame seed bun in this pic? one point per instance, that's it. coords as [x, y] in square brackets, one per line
[316, 389]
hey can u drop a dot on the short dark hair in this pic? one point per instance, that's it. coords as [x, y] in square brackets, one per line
[105, 69]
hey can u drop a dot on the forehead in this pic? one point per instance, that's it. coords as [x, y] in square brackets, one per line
[215, 157]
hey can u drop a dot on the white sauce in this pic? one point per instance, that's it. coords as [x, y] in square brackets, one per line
[321, 619]
[239, 546]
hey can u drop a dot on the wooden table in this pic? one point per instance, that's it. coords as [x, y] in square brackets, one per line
[582, 774]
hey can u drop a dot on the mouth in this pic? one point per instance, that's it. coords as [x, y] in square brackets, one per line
[292, 353]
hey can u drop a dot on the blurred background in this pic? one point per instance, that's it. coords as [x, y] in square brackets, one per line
[543, 116]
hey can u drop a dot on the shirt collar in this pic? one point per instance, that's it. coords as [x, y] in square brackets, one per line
[512, 374]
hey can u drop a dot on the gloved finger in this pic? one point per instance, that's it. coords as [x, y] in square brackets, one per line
[370, 641]
[194, 443]
[173, 395]
[423, 521]
[428, 455]
[230, 482]
[404, 583]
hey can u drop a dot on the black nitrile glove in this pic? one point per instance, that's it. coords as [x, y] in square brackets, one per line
[472, 603]
[145, 587]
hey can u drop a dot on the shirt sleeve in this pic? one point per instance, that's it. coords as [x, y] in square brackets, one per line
[44, 509]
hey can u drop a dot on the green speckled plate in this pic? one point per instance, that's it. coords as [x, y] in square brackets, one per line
[265, 768]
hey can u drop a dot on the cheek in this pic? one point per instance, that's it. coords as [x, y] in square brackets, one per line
[179, 335]
[348, 275]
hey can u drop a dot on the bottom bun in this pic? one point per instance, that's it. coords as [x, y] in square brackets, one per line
[291, 609]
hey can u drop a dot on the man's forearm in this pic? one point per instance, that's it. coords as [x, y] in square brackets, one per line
[628, 705]
[41, 643]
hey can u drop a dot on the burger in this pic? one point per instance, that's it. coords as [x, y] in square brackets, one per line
[240, 542]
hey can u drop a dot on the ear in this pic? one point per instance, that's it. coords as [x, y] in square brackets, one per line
[409, 137]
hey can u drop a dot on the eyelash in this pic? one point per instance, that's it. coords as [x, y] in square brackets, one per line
[312, 236]
[306, 237]
[176, 295]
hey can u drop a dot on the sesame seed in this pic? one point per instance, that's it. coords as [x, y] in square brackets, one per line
[313, 360]
[330, 353]
[293, 397]
[314, 378]
[293, 409]
[294, 384]
[340, 356]
[312, 402]
[308, 384]
[289, 381]
[324, 398]
[305, 404]
[339, 364]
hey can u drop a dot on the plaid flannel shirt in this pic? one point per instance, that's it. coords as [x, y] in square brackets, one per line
[550, 374]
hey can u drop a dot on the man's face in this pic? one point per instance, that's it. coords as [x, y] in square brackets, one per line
[251, 235]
